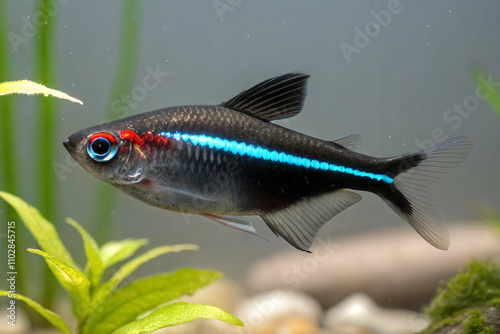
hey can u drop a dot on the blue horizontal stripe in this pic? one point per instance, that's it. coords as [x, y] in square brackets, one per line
[241, 148]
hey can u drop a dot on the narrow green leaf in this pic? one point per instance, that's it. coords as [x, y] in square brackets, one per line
[95, 264]
[9, 149]
[145, 294]
[73, 280]
[129, 267]
[115, 251]
[174, 314]
[104, 290]
[40, 228]
[51, 317]
[30, 87]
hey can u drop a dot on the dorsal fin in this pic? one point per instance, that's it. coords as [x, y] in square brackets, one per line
[299, 223]
[352, 142]
[276, 98]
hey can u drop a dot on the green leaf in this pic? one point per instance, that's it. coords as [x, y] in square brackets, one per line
[42, 230]
[104, 290]
[146, 294]
[174, 314]
[115, 251]
[51, 317]
[73, 280]
[95, 264]
[30, 87]
[491, 93]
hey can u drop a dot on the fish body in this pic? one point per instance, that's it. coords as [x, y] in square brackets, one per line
[227, 161]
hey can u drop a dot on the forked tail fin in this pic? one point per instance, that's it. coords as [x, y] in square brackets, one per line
[409, 195]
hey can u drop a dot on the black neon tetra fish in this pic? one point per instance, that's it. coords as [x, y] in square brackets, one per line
[226, 161]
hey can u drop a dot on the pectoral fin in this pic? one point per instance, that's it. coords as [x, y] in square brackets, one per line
[235, 222]
[299, 223]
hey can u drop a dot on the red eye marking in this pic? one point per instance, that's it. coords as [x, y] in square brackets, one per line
[105, 135]
[132, 137]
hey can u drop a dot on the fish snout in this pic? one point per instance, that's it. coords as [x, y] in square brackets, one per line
[73, 142]
[70, 147]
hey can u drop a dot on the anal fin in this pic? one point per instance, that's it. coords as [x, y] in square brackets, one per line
[299, 223]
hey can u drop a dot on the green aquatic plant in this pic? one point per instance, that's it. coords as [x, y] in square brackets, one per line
[103, 306]
[45, 65]
[478, 285]
[476, 324]
[464, 297]
[8, 153]
[29, 88]
[495, 222]
[492, 92]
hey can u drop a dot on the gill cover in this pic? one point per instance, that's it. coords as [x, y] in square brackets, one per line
[135, 167]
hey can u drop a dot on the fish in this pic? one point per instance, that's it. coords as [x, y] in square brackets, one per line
[230, 161]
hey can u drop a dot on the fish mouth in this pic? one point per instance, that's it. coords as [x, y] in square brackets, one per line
[73, 143]
[70, 147]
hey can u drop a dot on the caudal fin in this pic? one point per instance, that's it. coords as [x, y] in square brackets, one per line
[409, 195]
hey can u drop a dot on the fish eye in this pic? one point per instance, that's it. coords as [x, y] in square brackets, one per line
[102, 146]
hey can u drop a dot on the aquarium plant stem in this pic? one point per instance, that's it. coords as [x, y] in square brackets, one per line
[46, 144]
[7, 145]
[123, 82]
